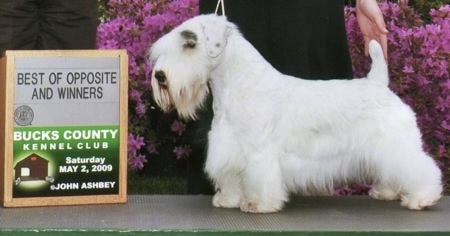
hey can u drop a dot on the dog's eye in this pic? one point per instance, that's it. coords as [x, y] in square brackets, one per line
[160, 76]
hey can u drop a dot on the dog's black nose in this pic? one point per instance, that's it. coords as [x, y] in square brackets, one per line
[160, 76]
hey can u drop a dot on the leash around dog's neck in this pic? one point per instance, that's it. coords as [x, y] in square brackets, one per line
[220, 3]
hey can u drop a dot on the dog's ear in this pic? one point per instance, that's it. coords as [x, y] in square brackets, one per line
[216, 36]
[189, 39]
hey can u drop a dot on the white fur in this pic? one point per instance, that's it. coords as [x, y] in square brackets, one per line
[274, 134]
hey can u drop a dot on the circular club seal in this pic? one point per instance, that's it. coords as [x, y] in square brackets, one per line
[23, 115]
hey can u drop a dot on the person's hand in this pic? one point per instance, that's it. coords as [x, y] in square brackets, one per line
[371, 23]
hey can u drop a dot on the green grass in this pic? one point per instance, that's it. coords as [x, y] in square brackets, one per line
[153, 185]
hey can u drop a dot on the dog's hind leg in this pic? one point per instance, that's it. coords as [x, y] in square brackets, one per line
[410, 175]
[423, 187]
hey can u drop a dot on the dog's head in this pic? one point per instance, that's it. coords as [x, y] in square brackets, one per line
[183, 60]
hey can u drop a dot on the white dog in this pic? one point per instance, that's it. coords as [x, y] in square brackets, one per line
[274, 134]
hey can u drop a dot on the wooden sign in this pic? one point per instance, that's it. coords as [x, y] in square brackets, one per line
[63, 127]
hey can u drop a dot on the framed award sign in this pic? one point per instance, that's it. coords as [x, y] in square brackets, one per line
[63, 127]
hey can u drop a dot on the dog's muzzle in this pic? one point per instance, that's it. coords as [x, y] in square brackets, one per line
[161, 78]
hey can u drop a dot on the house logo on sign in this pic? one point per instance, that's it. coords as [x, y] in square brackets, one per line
[32, 168]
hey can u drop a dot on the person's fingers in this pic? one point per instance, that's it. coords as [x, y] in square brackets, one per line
[384, 45]
[366, 45]
[377, 18]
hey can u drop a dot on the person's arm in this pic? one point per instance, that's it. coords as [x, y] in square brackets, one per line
[371, 23]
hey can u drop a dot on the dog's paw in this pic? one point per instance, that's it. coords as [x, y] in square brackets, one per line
[221, 200]
[256, 207]
[416, 203]
[385, 194]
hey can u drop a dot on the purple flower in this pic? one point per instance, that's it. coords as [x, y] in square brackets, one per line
[140, 108]
[137, 162]
[182, 151]
[135, 159]
[135, 143]
[446, 84]
[443, 103]
[135, 95]
[178, 127]
[152, 148]
[442, 150]
[408, 69]
[445, 125]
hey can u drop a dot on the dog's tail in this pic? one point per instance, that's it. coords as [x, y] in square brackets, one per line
[379, 71]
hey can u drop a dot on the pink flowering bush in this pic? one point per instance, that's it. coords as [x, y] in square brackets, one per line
[134, 25]
[419, 57]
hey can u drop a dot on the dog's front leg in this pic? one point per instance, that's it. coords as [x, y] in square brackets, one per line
[225, 165]
[264, 191]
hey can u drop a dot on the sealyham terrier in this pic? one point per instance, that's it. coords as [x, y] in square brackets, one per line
[274, 134]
